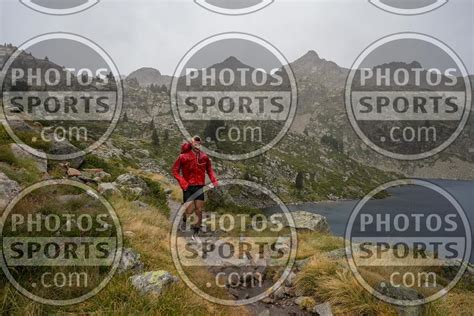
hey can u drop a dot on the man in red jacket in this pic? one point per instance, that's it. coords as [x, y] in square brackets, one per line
[190, 170]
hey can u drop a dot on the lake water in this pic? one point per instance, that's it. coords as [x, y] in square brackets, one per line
[405, 199]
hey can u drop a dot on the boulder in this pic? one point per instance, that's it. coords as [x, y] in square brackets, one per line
[305, 303]
[130, 261]
[153, 282]
[402, 293]
[66, 148]
[132, 184]
[310, 221]
[108, 189]
[140, 153]
[71, 172]
[41, 161]
[8, 190]
[300, 264]
[323, 309]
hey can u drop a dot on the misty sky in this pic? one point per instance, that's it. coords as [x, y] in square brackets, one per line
[158, 33]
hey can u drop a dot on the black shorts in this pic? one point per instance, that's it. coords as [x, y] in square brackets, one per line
[193, 189]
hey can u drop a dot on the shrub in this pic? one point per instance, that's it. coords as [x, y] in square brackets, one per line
[156, 196]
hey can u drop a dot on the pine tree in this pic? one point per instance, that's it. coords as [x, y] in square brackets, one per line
[152, 124]
[166, 137]
[125, 118]
[164, 89]
[155, 138]
[300, 181]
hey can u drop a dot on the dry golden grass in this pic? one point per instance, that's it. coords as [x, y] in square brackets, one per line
[459, 303]
[311, 243]
[151, 239]
[331, 281]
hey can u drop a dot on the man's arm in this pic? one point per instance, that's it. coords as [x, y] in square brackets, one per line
[177, 174]
[211, 173]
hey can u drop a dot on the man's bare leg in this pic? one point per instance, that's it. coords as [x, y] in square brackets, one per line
[189, 209]
[199, 206]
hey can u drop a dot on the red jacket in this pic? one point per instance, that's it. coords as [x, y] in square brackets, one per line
[193, 167]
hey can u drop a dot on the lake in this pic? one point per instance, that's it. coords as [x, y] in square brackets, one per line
[401, 199]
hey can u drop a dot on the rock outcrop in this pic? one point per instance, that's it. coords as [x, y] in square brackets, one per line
[41, 163]
[130, 261]
[153, 282]
[8, 190]
[310, 221]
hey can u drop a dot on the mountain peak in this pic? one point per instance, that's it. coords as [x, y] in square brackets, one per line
[231, 62]
[147, 70]
[231, 59]
[311, 54]
[147, 76]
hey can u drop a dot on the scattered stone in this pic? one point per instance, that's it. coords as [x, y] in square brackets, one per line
[8, 190]
[264, 313]
[305, 303]
[290, 280]
[140, 204]
[310, 221]
[108, 189]
[132, 185]
[268, 300]
[41, 161]
[290, 291]
[168, 191]
[283, 244]
[300, 264]
[234, 293]
[153, 282]
[323, 309]
[71, 172]
[337, 254]
[130, 261]
[98, 175]
[279, 293]
[129, 234]
[134, 192]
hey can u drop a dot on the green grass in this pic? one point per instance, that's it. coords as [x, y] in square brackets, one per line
[156, 197]
[23, 171]
[113, 167]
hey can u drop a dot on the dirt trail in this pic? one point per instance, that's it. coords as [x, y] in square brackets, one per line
[280, 308]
